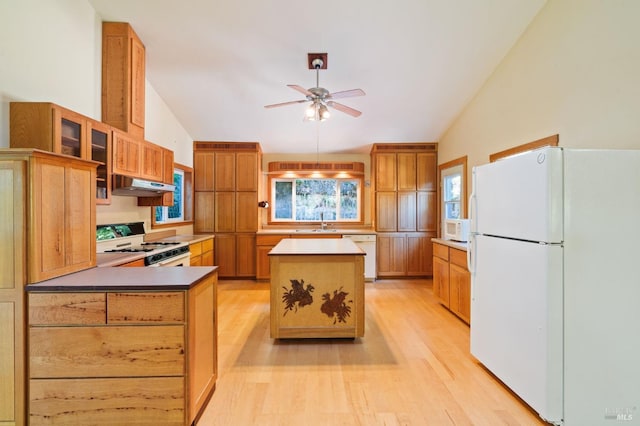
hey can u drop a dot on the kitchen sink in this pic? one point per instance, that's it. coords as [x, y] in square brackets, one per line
[316, 230]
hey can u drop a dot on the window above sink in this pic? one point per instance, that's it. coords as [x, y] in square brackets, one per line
[321, 197]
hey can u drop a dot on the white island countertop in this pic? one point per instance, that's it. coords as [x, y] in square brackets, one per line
[320, 246]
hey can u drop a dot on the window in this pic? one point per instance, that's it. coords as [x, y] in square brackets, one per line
[306, 199]
[451, 185]
[453, 178]
[174, 213]
[181, 212]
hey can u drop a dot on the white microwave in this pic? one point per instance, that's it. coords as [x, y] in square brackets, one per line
[456, 230]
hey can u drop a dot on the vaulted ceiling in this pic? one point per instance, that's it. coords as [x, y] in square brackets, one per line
[216, 63]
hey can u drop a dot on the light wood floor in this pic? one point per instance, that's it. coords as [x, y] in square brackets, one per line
[412, 367]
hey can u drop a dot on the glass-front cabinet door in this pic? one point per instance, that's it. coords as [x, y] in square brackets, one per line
[72, 139]
[100, 151]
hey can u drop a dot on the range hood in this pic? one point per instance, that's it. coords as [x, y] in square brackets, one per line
[135, 187]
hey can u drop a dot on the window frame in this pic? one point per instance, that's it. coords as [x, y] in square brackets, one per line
[187, 201]
[292, 176]
[445, 169]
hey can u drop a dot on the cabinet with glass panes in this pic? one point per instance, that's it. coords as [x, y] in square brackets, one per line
[51, 127]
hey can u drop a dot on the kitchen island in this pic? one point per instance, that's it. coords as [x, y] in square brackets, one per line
[317, 288]
[122, 346]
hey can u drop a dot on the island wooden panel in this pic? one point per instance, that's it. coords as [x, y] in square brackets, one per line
[318, 292]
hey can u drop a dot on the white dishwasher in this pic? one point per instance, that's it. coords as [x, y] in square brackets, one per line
[366, 242]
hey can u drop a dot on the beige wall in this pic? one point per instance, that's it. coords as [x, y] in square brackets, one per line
[51, 51]
[575, 72]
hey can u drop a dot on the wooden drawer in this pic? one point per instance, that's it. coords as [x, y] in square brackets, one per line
[195, 249]
[149, 401]
[155, 307]
[67, 308]
[458, 257]
[269, 240]
[67, 352]
[441, 251]
[207, 245]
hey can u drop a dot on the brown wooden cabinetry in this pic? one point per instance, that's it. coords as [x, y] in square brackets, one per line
[405, 177]
[123, 78]
[50, 127]
[122, 357]
[226, 202]
[265, 242]
[127, 154]
[452, 280]
[151, 164]
[202, 253]
[47, 229]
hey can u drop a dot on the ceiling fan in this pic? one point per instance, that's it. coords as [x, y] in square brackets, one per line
[320, 97]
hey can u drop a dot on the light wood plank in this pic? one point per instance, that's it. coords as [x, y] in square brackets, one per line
[412, 367]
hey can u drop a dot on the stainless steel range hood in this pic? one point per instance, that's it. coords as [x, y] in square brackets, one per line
[135, 187]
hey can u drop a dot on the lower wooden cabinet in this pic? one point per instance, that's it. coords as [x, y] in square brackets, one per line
[264, 244]
[404, 254]
[235, 255]
[202, 253]
[122, 357]
[452, 280]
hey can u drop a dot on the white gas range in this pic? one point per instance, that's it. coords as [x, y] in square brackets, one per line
[129, 238]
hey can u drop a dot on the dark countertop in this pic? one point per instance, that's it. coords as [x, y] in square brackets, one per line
[126, 279]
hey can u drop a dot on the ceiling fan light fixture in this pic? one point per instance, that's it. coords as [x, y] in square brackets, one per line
[310, 112]
[323, 112]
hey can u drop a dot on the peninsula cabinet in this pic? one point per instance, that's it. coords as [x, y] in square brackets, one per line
[122, 357]
[452, 280]
[50, 127]
[405, 207]
[226, 181]
[123, 78]
[47, 229]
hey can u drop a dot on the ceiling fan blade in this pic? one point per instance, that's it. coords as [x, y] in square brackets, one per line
[300, 89]
[346, 94]
[343, 108]
[286, 103]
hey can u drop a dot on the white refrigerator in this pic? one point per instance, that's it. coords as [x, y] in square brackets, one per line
[555, 281]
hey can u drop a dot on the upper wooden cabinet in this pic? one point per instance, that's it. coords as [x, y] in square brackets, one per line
[127, 152]
[151, 166]
[385, 169]
[50, 127]
[410, 172]
[203, 170]
[225, 171]
[123, 78]
[247, 171]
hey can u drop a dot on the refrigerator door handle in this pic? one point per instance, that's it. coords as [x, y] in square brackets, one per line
[473, 220]
[471, 249]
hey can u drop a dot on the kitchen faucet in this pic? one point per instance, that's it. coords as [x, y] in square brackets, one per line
[323, 225]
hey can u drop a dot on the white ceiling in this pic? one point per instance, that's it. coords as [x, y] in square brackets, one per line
[216, 63]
